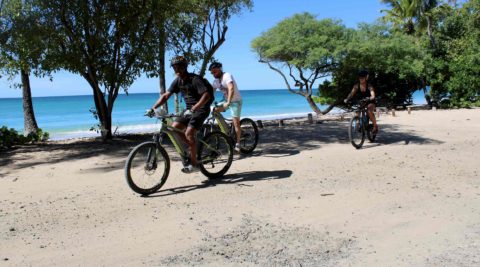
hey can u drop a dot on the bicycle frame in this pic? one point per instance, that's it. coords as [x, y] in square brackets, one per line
[172, 134]
[221, 121]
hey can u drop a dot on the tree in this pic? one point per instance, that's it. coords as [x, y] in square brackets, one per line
[402, 13]
[394, 59]
[194, 28]
[305, 49]
[455, 66]
[23, 44]
[102, 41]
[203, 29]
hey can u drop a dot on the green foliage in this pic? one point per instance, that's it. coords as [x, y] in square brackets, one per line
[302, 50]
[303, 42]
[23, 40]
[10, 137]
[455, 63]
[394, 59]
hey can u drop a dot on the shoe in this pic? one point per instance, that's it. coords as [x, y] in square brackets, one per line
[375, 130]
[190, 169]
[237, 148]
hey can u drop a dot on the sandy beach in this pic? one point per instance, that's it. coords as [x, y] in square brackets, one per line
[305, 197]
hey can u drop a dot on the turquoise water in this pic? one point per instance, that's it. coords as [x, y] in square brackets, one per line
[69, 116]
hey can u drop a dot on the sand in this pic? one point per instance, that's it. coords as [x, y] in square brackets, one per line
[305, 197]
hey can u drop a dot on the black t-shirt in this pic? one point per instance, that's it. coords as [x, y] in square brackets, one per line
[362, 95]
[192, 90]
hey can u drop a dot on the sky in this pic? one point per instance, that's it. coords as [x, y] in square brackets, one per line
[235, 54]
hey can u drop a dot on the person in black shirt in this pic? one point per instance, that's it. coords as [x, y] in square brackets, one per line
[198, 97]
[364, 90]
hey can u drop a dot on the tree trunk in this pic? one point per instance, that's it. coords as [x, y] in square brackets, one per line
[29, 121]
[104, 116]
[427, 97]
[430, 34]
[161, 74]
[177, 103]
[312, 104]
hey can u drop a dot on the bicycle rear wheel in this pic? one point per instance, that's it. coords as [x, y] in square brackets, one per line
[356, 133]
[215, 154]
[147, 168]
[249, 136]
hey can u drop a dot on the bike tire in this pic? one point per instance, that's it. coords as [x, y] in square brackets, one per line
[249, 136]
[356, 133]
[140, 166]
[215, 154]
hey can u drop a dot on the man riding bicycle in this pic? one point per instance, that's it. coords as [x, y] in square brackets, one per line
[365, 90]
[225, 82]
[198, 97]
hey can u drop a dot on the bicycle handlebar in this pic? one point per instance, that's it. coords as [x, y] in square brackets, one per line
[159, 114]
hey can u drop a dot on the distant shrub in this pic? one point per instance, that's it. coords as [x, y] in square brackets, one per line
[10, 137]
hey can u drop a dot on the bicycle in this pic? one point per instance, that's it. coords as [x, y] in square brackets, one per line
[148, 164]
[249, 130]
[360, 124]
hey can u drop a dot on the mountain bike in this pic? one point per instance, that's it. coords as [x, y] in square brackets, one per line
[360, 125]
[148, 164]
[249, 130]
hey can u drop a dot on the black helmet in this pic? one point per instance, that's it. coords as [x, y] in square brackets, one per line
[179, 60]
[215, 64]
[363, 73]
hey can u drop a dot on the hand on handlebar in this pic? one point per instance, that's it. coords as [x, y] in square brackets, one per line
[149, 112]
[188, 112]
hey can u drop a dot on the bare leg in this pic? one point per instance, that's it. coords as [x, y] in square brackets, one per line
[183, 137]
[192, 144]
[371, 115]
[238, 129]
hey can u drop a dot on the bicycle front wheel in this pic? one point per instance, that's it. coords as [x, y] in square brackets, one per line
[249, 135]
[356, 133]
[215, 154]
[147, 168]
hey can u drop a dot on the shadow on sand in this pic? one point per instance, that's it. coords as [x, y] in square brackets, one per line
[274, 142]
[229, 179]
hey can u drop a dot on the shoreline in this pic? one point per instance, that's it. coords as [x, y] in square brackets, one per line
[133, 129]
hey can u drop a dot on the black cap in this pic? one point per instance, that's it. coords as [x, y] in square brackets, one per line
[215, 64]
[363, 73]
[179, 60]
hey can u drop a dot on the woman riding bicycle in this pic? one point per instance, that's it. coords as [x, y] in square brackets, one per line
[225, 82]
[365, 90]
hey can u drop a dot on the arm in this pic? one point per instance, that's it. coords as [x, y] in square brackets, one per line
[230, 94]
[372, 93]
[351, 94]
[163, 98]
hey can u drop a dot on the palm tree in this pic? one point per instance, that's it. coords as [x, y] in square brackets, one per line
[402, 14]
[412, 15]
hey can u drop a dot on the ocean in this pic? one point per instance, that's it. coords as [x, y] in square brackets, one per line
[67, 117]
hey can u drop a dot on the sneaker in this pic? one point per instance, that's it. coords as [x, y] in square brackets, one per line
[190, 169]
[237, 148]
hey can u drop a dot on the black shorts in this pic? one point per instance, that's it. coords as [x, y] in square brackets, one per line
[195, 120]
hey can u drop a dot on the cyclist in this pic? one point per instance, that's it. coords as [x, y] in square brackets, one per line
[232, 100]
[198, 96]
[365, 90]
